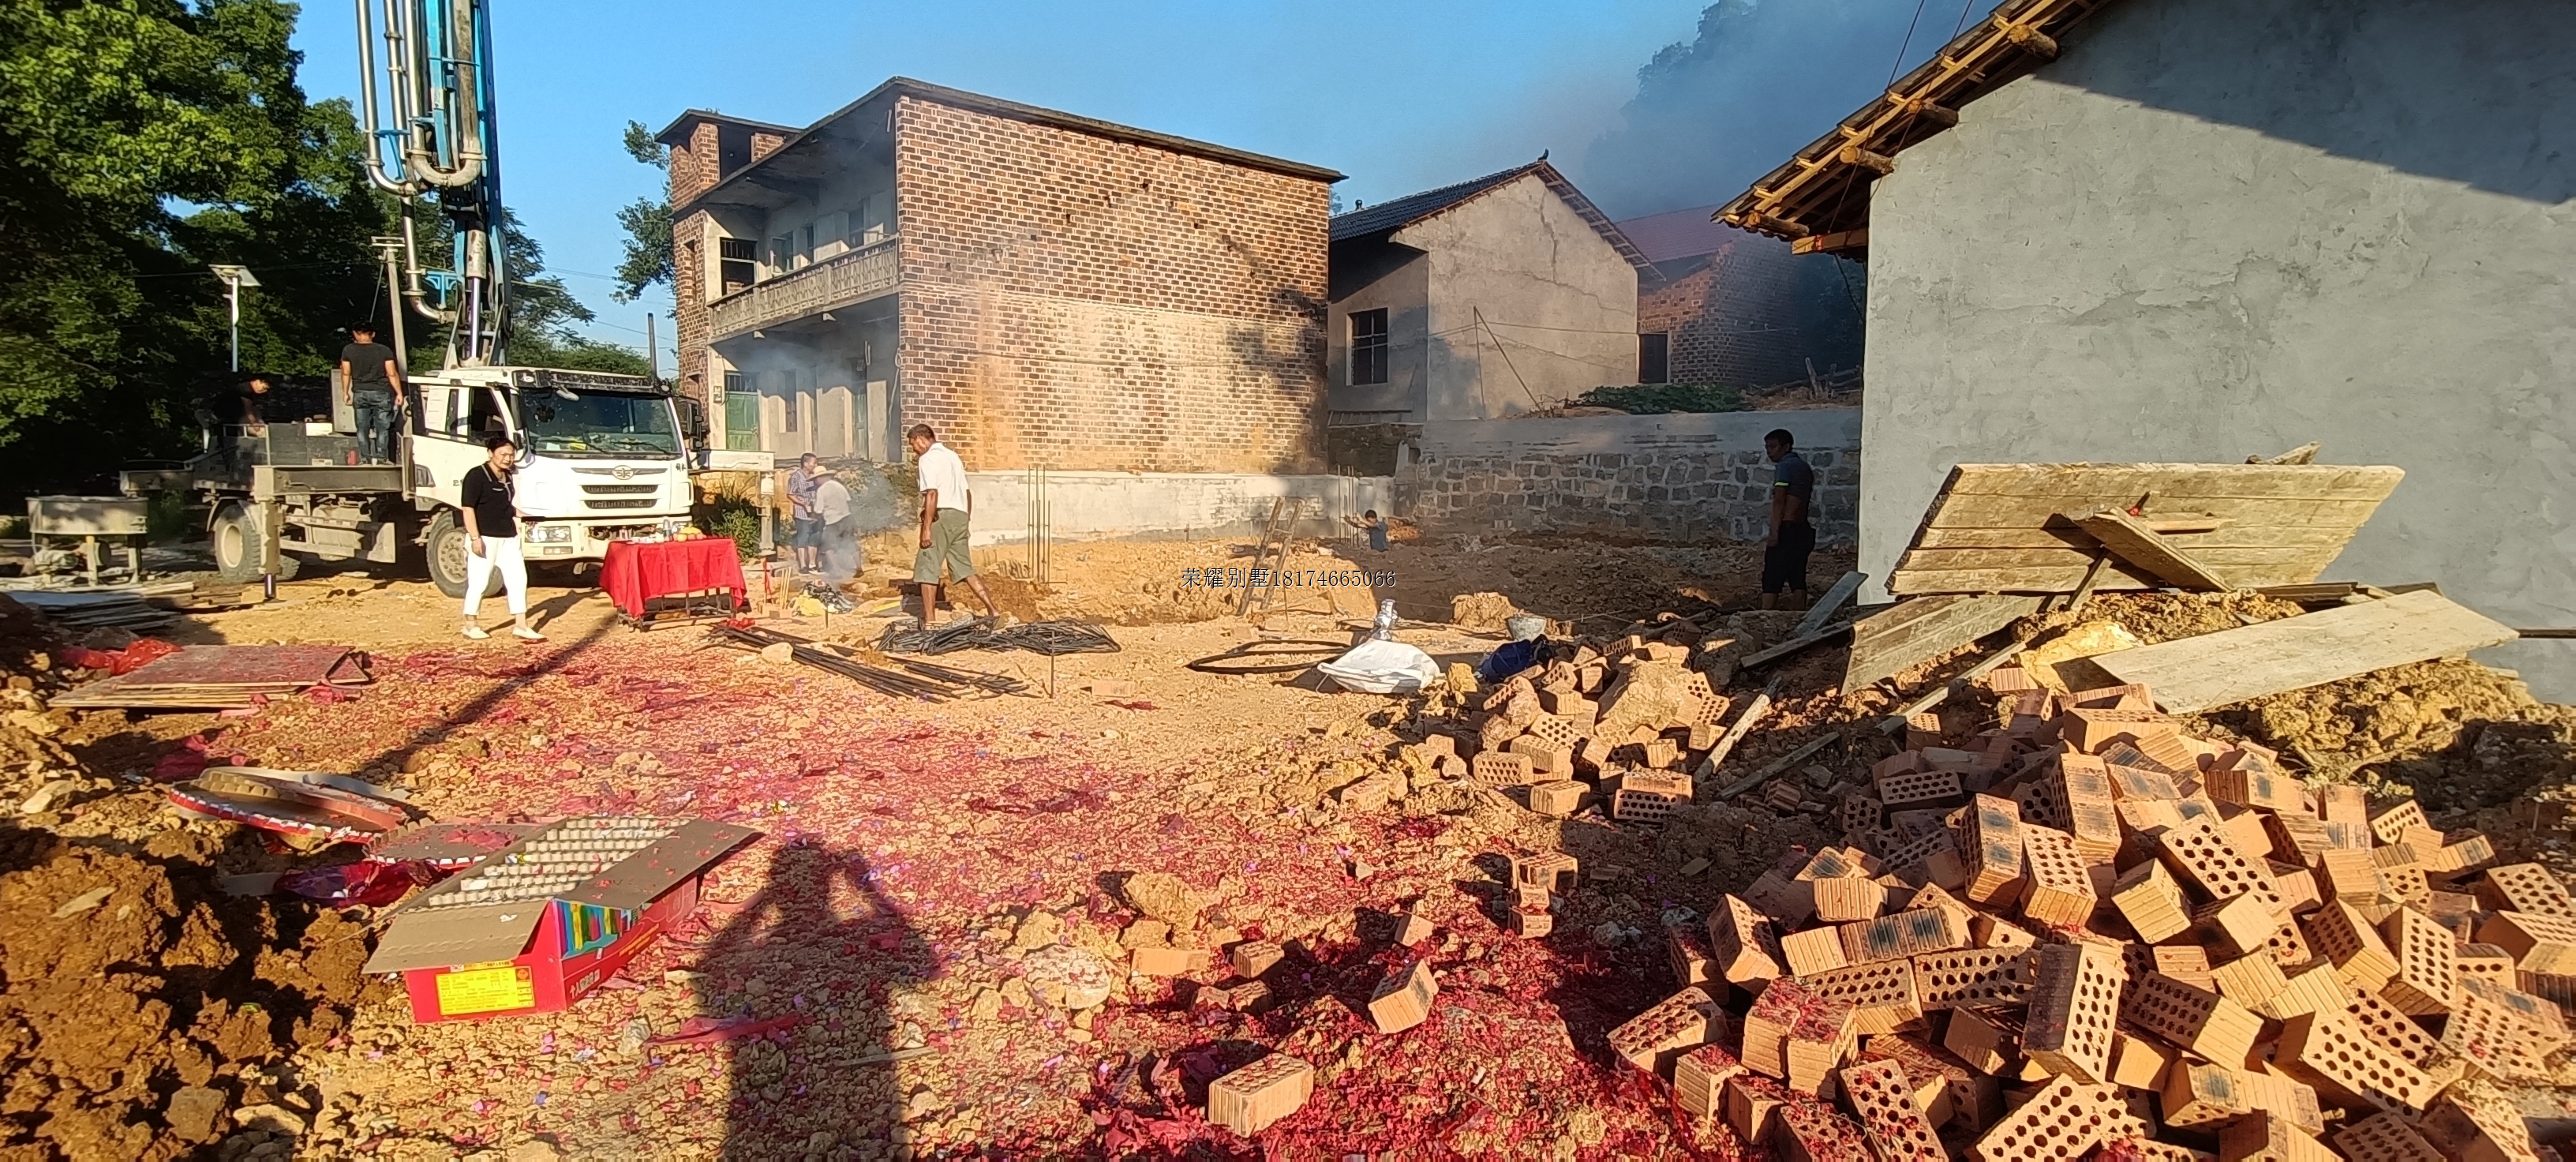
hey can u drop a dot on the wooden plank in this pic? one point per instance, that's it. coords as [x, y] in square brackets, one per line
[1798, 644]
[2292, 653]
[1921, 628]
[1909, 583]
[2135, 543]
[1753, 713]
[1833, 599]
[1975, 511]
[2232, 535]
[2220, 559]
[2175, 481]
[1895, 723]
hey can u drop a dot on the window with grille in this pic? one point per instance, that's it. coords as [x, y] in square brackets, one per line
[737, 263]
[1368, 346]
[1654, 358]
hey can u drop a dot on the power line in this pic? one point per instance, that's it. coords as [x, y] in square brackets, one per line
[1907, 43]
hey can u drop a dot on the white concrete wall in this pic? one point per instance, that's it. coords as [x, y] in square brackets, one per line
[2215, 228]
[1557, 304]
[1176, 505]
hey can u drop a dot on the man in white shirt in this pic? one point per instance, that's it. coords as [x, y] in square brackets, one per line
[945, 506]
[836, 540]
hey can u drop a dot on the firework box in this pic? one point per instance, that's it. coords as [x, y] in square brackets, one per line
[535, 926]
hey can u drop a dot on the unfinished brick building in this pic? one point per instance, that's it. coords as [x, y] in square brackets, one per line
[1727, 308]
[1045, 289]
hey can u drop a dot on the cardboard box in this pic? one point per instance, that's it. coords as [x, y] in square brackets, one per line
[534, 926]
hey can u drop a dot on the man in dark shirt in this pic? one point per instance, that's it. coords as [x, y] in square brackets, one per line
[375, 390]
[1791, 538]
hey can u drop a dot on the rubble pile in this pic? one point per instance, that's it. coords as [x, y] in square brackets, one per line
[2097, 929]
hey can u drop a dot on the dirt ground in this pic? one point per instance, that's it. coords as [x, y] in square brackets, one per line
[859, 981]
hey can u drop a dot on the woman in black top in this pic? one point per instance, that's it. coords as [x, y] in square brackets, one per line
[490, 503]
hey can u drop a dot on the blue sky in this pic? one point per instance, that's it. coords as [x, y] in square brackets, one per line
[1401, 96]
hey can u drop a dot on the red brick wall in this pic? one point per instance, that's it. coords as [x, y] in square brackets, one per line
[1081, 303]
[689, 308]
[1732, 320]
[694, 163]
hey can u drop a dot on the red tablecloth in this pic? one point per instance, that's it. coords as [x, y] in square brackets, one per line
[636, 572]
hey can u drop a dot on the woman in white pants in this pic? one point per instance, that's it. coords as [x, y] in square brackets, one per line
[490, 503]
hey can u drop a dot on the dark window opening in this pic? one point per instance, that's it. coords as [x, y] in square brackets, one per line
[737, 263]
[733, 149]
[1368, 346]
[1654, 363]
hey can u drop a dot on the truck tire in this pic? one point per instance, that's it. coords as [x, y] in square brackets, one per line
[237, 538]
[446, 546]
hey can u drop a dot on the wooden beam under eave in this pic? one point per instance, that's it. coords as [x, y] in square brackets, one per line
[1871, 160]
[2032, 41]
[1831, 243]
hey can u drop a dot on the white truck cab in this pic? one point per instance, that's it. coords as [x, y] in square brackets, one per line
[601, 457]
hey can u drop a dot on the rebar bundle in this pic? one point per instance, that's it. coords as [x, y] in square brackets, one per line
[1051, 638]
[924, 681]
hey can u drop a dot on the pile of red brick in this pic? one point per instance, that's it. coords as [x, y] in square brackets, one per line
[1617, 728]
[2097, 932]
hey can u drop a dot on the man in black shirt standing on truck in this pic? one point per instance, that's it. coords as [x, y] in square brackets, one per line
[375, 391]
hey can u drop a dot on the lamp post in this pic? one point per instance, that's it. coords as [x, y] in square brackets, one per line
[235, 278]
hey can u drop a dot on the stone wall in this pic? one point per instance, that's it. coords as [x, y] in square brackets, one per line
[1086, 303]
[1668, 478]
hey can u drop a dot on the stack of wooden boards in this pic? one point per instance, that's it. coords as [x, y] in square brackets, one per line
[222, 678]
[2097, 932]
[1619, 724]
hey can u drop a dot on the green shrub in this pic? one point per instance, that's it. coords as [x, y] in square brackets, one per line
[739, 520]
[165, 517]
[1647, 399]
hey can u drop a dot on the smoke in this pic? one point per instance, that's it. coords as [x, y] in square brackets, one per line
[1761, 80]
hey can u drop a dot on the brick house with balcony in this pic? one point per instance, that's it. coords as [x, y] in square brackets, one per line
[1046, 290]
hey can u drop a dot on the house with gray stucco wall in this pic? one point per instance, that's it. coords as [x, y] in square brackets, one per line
[2197, 230]
[1494, 297]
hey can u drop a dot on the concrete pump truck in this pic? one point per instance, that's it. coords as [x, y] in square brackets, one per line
[602, 456]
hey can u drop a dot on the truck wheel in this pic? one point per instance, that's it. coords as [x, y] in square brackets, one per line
[447, 556]
[237, 537]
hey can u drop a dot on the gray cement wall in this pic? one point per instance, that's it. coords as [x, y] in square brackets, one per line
[1169, 505]
[2214, 228]
[1530, 306]
[1670, 477]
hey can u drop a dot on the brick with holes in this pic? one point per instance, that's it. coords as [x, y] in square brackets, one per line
[2538, 943]
[2486, 962]
[1902, 936]
[1686, 947]
[2384, 1137]
[2139, 1063]
[1913, 789]
[1796, 1033]
[2329, 1052]
[1775, 894]
[2074, 1005]
[1813, 951]
[2428, 970]
[1744, 946]
[1972, 977]
[1986, 1039]
[2390, 824]
[1247, 1100]
[2262, 1136]
[2198, 1095]
[1403, 1000]
[2314, 988]
[1884, 1099]
[2361, 958]
[1649, 798]
[2151, 901]
[1808, 1130]
[1881, 995]
[2194, 1018]
[1554, 871]
[2494, 1044]
[1500, 768]
[1988, 832]
[1548, 759]
[2247, 980]
[2060, 1123]
[2202, 857]
[1699, 1080]
[1844, 899]
[1558, 799]
[1653, 1039]
[2238, 925]
[2474, 1128]
[1252, 958]
[2527, 888]
[2056, 890]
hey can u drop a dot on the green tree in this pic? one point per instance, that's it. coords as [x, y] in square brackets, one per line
[543, 312]
[139, 141]
[647, 222]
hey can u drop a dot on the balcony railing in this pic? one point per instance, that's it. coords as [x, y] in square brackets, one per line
[839, 281]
